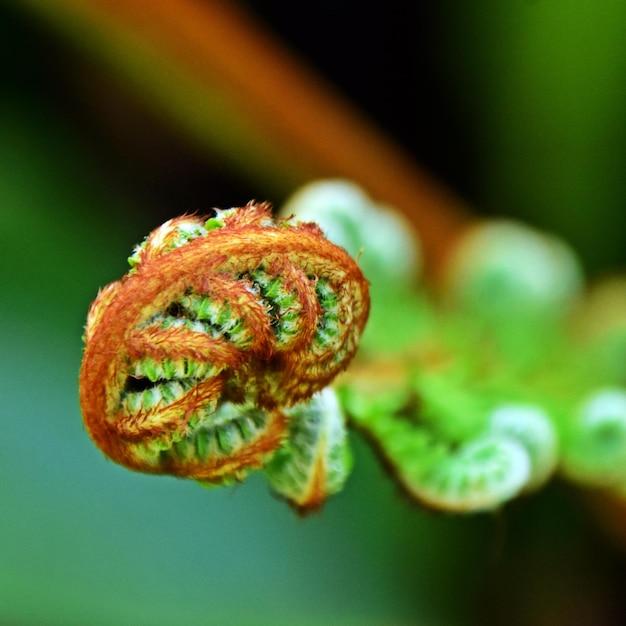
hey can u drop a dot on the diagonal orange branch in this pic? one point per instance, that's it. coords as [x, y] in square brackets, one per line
[280, 112]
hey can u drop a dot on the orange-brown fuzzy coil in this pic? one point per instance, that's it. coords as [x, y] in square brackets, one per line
[191, 355]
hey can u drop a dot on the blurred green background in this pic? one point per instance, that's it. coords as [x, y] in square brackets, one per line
[517, 106]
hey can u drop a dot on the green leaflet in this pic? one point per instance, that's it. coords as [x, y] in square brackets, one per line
[218, 431]
[453, 449]
[183, 232]
[283, 304]
[530, 426]
[315, 460]
[480, 474]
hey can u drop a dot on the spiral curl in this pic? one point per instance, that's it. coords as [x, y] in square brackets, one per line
[594, 451]
[219, 324]
[478, 474]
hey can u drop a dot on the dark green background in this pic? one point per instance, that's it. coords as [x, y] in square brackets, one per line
[516, 105]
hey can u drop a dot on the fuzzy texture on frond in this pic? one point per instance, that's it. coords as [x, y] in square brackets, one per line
[315, 460]
[190, 358]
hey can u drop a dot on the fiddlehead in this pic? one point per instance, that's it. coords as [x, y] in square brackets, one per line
[595, 440]
[504, 269]
[479, 474]
[388, 250]
[511, 451]
[191, 357]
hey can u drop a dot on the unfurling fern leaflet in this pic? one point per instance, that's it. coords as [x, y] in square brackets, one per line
[484, 455]
[315, 460]
[191, 358]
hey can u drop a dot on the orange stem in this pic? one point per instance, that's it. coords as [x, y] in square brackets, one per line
[313, 132]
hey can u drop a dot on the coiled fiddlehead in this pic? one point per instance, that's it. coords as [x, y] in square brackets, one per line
[190, 358]
[458, 456]
[502, 269]
[388, 250]
[477, 475]
[388, 247]
[595, 440]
